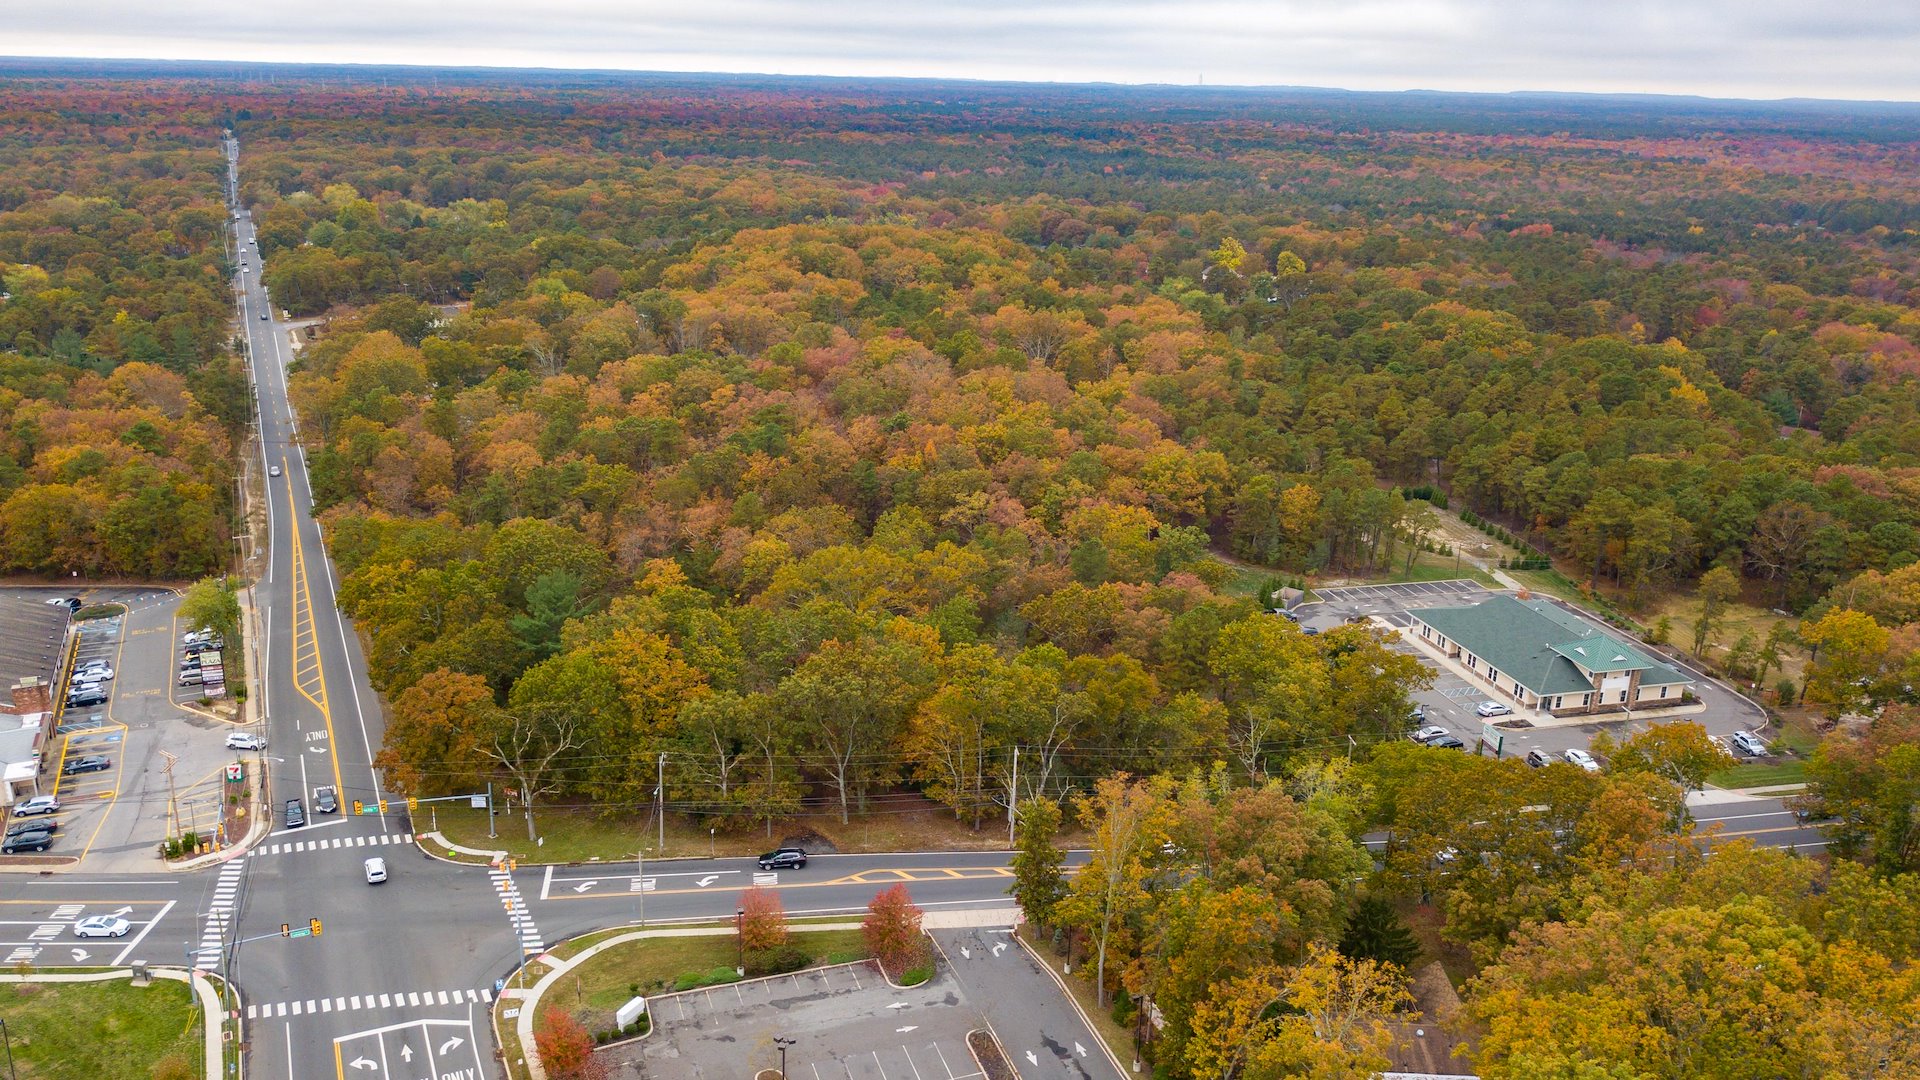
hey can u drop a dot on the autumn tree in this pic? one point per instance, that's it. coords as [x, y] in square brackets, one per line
[1850, 649]
[1718, 587]
[1679, 751]
[530, 746]
[565, 1048]
[892, 931]
[764, 924]
[433, 739]
[1127, 821]
[214, 604]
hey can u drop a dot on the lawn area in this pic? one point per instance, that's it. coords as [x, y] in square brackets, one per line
[1431, 567]
[1683, 609]
[1548, 583]
[103, 1030]
[1756, 776]
[580, 835]
[596, 989]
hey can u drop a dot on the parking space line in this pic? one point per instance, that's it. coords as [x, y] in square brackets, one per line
[943, 1062]
[910, 1064]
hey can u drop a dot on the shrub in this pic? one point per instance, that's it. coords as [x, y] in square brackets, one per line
[1783, 692]
[565, 1048]
[776, 961]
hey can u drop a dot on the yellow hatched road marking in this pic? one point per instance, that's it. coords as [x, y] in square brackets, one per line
[306, 640]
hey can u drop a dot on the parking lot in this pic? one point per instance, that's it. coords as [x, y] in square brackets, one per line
[847, 1023]
[135, 768]
[1453, 699]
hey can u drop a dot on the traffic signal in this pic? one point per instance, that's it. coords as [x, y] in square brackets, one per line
[314, 925]
[358, 808]
[286, 929]
[383, 806]
[413, 803]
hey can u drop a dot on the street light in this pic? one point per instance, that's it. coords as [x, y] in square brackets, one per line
[740, 935]
[783, 1042]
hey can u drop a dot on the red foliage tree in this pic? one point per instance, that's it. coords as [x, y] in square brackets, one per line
[566, 1050]
[892, 930]
[764, 926]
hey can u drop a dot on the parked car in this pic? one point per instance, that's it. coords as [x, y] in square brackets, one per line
[1425, 734]
[1419, 711]
[18, 827]
[1310, 631]
[1447, 742]
[296, 814]
[1748, 743]
[39, 804]
[1491, 708]
[90, 763]
[1539, 759]
[376, 870]
[1290, 616]
[87, 700]
[1577, 756]
[102, 926]
[97, 672]
[31, 841]
[245, 740]
[190, 677]
[325, 800]
[783, 859]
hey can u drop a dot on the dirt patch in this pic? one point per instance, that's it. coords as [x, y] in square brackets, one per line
[811, 842]
[986, 1051]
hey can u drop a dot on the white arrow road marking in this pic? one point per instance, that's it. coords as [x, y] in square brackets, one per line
[584, 886]
[406, 1053]
[909, 1027]
[708, 880]
[124, 911]
[1031, 1060]
[316, 749]
[1078, 1049]
[79, 955]
[362, 1063]
[454, 1044]
[898, 1005]
[997, 948]
[966, 953]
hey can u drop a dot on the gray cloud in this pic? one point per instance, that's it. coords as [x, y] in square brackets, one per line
[1731, 48]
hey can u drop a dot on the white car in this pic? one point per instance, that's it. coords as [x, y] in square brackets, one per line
[1749, 743]
[39, 804]
[1580, 758]
[1491, 708]
[245, 740]
[376, 870]
[102, 926]
[273, 470]
[1431, 731]
[95, 672]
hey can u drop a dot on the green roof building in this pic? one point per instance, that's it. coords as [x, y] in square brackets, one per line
[1532, 653]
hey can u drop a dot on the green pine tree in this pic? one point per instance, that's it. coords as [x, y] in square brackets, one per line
[1376, 932]
[1038, 879]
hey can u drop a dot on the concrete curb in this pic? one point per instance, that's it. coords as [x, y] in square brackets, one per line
[438, 838]
[1073, 1001]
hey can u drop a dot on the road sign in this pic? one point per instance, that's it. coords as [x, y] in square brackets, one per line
[237, 773]
[300, 932]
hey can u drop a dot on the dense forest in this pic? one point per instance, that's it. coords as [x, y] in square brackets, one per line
[831, 437]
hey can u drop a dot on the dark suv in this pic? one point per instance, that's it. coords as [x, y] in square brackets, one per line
[27, 841]
[784, 859]
[296, 814]
[90, 763]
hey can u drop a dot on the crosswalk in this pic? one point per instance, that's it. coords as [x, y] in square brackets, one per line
[517, 912]
[213, 934]
[409, 1000]
[292, 846]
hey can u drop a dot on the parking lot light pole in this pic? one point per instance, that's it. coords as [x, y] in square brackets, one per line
[740, 935]
[783, 1042]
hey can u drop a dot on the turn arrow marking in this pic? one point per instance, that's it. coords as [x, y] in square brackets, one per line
[454, 1044]
[362, 1063]
[80, 954]
[708, 880]
[588, 885]
[898, 1005]
[909, 1027]
[997, 948]
[124, 911]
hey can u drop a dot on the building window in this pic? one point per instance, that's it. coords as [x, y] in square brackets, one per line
[1663, 691]
[1586, 700]
[1623, 696]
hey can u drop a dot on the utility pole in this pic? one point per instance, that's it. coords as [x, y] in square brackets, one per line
[173, 807]
[490, 833]
[1013, 796]
[660, 794]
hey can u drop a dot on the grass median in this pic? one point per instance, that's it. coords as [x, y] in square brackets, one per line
[103, 1030]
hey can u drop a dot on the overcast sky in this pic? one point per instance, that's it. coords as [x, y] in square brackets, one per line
[1723, 48]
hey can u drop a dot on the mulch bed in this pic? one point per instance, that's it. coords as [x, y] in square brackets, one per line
[986, 1048]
